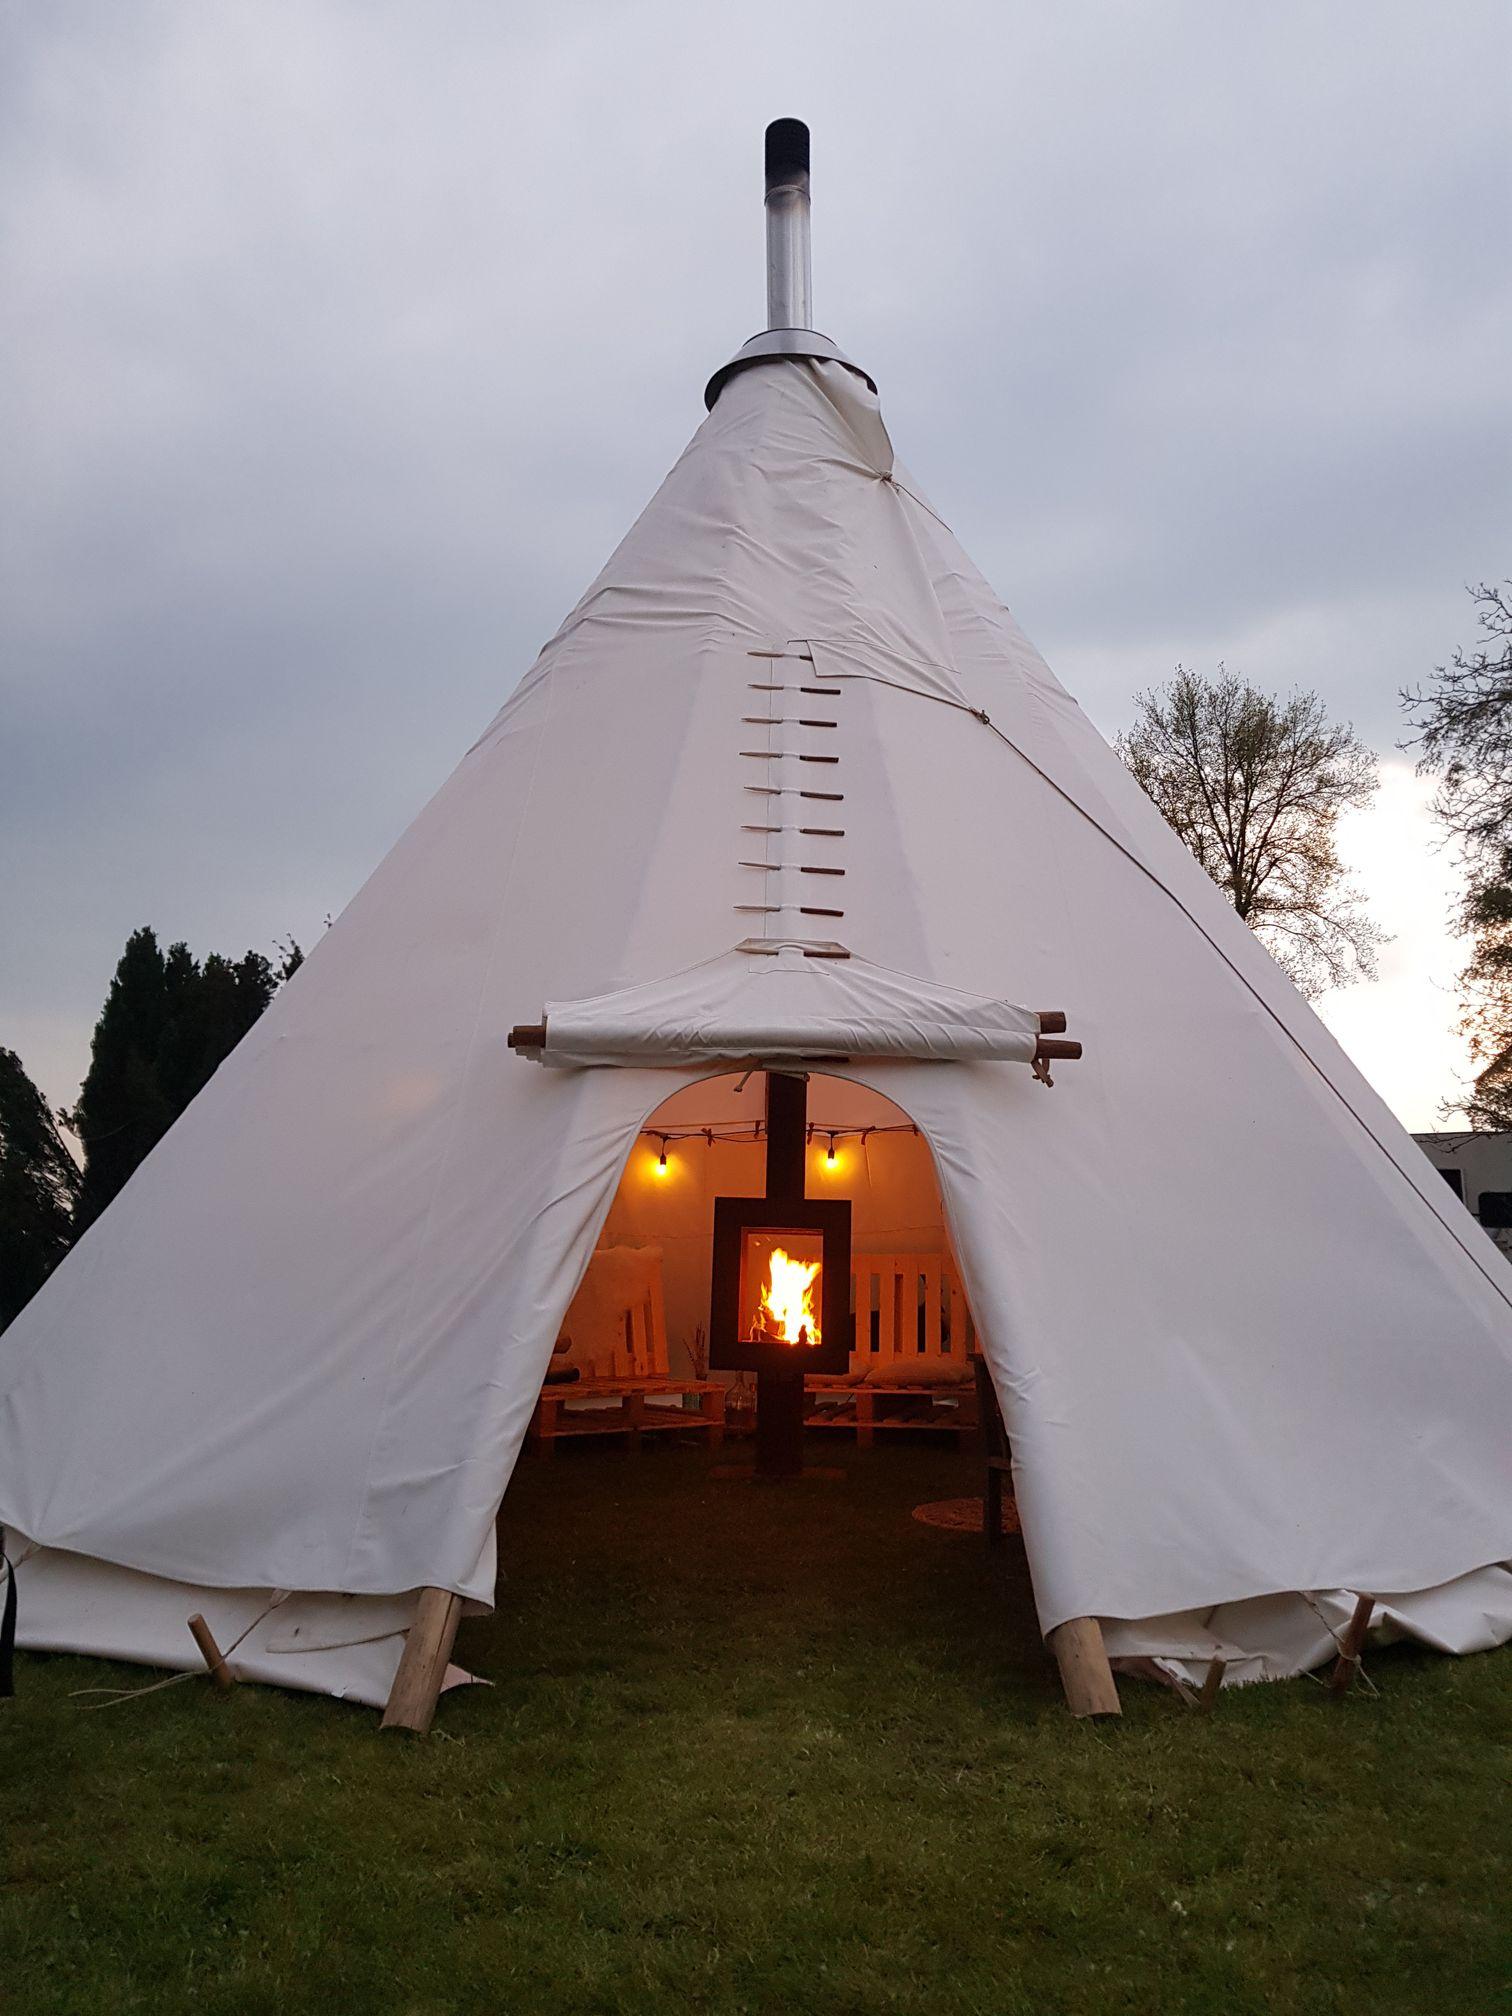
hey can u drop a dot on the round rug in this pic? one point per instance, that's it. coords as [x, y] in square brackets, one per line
[963, 1515]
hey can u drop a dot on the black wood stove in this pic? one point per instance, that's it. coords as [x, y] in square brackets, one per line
[780, 1296]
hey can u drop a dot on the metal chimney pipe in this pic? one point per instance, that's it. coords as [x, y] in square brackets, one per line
[790, 330]
[789, 266]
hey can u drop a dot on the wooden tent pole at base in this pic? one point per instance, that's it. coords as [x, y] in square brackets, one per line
[1084, 1670]
[422, 1666]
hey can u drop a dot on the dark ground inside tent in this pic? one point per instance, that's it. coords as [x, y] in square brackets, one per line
[765, 1749]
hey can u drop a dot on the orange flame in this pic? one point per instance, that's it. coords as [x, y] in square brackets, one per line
[787, 1300]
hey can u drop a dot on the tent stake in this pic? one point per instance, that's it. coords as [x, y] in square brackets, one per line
[422, 1667]
[220, 1672]
[1210, 1686]
[1084, 1670]
[1348, 1662]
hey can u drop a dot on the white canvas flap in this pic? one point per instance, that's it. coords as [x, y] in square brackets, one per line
[744, 1006]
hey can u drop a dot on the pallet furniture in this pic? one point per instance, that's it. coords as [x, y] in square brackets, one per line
[910, 1311]
[887, 1287]
[643, 1352]
[638, 1370]
[869, 1411]
[556, 1417]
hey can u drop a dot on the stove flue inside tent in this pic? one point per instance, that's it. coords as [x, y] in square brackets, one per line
[780, 1296]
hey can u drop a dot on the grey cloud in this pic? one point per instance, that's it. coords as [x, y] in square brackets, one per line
[342, 341]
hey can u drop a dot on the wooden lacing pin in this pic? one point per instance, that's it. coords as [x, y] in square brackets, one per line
[220, 1672]
[1351, 1645]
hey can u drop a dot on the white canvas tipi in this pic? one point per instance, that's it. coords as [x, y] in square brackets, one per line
[1253, 1355]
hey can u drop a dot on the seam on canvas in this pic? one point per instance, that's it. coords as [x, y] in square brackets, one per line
[980, 714]
[444, 1159]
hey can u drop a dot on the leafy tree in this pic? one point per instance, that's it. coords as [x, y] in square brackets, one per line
[1464, 730]
[167, 1024]
[1254, 786]
[39, 1184]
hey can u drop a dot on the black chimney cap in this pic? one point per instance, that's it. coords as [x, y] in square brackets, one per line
[787, 152]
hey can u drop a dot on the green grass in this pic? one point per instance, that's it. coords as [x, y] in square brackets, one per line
[758, 1749]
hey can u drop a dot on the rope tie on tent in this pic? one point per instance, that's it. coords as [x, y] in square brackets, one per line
[888, 477]
[116, 1695]
[1355, 1659]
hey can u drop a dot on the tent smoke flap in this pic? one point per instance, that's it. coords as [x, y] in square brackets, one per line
[732, 1009]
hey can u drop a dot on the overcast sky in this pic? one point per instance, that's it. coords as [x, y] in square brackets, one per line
[342, 339]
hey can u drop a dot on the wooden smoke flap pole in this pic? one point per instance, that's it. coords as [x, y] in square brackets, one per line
[422, 1665]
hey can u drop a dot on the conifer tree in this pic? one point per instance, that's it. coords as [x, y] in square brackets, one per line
[39, 1183]
[167, 1025]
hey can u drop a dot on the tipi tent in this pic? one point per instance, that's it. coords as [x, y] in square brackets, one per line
[1253, 1356]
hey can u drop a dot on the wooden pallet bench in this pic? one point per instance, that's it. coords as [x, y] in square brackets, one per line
[910, 1309]
[614, 1401]
[561, 1410]
[869, 1411]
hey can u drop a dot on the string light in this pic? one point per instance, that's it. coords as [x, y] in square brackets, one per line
[752, 1132]
[829, 1160]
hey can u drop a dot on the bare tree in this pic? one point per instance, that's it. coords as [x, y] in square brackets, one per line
[1464, 730]
[1254, 786]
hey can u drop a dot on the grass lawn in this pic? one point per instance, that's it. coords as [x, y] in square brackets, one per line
[758, 1749]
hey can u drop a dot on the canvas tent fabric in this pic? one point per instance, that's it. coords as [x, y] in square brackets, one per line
[1248, 1345]
[775, 1002]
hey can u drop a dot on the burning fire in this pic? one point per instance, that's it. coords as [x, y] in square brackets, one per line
[787, 1314]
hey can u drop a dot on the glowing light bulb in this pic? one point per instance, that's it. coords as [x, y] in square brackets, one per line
[661, 1161]
[829, 1160]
